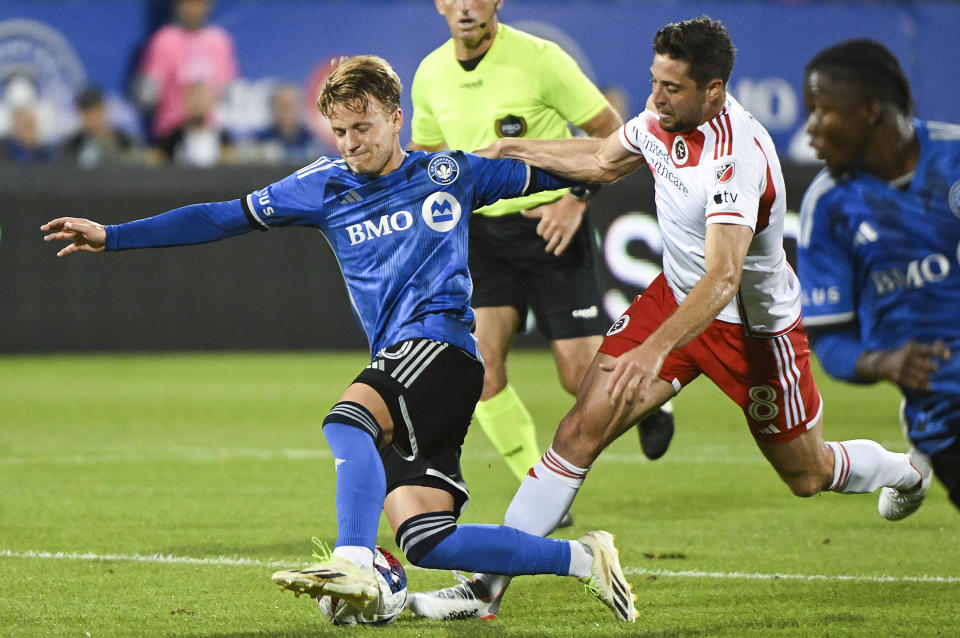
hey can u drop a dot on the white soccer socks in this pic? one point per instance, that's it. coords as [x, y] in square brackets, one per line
[545, 495]
[862, 466]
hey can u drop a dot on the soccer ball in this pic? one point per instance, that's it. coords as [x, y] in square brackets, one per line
[393, 595]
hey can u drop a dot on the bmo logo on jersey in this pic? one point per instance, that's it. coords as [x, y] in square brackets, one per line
[387, 224]
[441, 211]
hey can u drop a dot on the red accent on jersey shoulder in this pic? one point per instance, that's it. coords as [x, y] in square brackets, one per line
[693, 140]
[723, 130]
[726, 119]
[716, 141]
[629, 141]
[724, 213]
[530, 472]
[768, 196]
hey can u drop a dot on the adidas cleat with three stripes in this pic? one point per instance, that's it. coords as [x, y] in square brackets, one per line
[607, 582]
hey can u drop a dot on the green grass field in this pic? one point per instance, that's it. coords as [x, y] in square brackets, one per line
[155, 495]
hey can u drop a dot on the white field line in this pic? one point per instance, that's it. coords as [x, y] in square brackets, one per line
[229, 561]
[220, 455]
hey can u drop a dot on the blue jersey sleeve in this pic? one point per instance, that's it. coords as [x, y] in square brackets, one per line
[838, 348]
[506, 178]
[296, 200]
[824, 261]
[194, 224]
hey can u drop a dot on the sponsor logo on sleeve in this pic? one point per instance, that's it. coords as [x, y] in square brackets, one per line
[724, 172]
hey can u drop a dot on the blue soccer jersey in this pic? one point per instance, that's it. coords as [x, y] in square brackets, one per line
[400, 239]
[886, 259]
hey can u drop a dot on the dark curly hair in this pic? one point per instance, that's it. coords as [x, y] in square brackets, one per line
[701, 42]
[868, 69]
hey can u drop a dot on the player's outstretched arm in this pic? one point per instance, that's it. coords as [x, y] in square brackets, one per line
[582, 159]
[83, 234]
[726, 249]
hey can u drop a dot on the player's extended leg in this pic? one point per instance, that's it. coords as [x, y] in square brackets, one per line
[426, 530]
[353, 428]
[548, 490]
[573, 357]
[593, 423]
[809, 465]
[500, 413]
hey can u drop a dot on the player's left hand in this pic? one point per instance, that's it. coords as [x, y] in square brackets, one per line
[632, 373]
[559, 222]
[82, 233]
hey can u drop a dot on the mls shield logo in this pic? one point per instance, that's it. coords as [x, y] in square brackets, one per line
[441, 211]
[679, 152]
[724, 172]
[443, 170]
[953, 198]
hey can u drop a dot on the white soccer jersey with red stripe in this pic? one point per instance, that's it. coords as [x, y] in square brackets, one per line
[725, 171]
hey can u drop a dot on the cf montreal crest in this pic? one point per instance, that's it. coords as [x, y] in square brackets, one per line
[443, 169]
[954, 198]
[725, 172]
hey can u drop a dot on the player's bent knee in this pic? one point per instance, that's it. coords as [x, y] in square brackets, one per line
[419, 536]
[356, 415]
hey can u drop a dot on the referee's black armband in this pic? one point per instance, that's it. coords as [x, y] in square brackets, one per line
[584, 192]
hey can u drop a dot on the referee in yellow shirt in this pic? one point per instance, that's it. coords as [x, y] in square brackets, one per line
[533, 253]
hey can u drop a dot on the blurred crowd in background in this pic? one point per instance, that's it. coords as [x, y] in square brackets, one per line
[181, 77]
[201, 83]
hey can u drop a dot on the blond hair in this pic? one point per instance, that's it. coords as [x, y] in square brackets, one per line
[356, 80]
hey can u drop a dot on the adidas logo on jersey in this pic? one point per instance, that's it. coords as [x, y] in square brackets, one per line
[351, 197]
[865, 234]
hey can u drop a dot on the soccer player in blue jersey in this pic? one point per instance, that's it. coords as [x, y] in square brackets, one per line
[879, 251]
[397, 223]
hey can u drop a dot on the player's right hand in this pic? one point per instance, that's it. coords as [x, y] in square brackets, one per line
[911, 365]
[82, 234]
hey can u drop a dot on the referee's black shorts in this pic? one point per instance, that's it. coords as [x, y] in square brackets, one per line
[510, 267]
[431, 389]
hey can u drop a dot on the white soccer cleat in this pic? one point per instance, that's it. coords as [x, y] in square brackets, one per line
[469, 599]
[332, 576]
[607, 582]
[897, 504]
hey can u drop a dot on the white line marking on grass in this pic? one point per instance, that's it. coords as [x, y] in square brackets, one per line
[232, 561]
[693, 573]
[228, 561]
[194, 455]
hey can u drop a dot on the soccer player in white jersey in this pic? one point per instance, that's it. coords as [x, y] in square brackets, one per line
[727, 304]
[397, 223]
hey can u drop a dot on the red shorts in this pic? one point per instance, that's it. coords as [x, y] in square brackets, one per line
[768, 377]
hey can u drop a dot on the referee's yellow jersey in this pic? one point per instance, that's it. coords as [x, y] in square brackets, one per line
[524, 86]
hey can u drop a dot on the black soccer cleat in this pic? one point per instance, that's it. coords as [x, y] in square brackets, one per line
[656, 432]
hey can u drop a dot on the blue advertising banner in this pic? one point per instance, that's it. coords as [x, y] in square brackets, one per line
[51, 48]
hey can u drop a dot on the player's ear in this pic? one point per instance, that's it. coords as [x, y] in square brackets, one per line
[873, 113]
[714, 89]
[397, 119]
